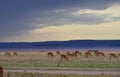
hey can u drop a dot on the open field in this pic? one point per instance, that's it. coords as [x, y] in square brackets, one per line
[53, 75]
[38, 64]
[40, 59]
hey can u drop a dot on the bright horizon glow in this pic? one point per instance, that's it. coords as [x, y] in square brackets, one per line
[73, 32]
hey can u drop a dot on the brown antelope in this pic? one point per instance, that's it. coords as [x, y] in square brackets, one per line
[112, 55]
[119, 55]
[57, 52]
[87, 54]
[1, 71]
[15, 53]
[8, 54]
[50, 54]
[74, 54]
[69, 54]
[78, 53]
[99, 54]
[64, 57]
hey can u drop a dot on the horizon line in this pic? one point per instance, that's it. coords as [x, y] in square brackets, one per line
[61, 40]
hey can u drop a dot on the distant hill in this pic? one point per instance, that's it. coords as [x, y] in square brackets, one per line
[67, 44]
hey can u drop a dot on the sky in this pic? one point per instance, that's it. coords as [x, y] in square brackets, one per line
[58, 20]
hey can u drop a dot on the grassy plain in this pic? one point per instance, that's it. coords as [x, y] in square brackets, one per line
[40, 59]
[53, 75]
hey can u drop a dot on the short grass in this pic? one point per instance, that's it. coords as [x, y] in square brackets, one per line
[52, 75]
[40, 59]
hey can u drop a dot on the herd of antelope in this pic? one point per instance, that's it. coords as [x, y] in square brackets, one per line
[67, 55]
[11, 54]
[87, 54]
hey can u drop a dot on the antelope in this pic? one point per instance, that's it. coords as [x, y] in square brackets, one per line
[87, 54]
[15, 54]
[1, 71]
[8, 54]
[64, 57]
[99, 54]
[74, 54]
[57, 52]
[119, 55]
[50, 54]
[69, 54]
[78, 53]
[112, 55]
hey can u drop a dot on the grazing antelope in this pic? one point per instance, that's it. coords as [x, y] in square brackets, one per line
[69, 54]
[87, 54]
[8, 54]
[78, 53]
[64, 57]
[50, 54]
[99, 54]
[1, 71]
[15, 53]
[57, 52]
[119, 55]
[112, 55]
[74, 54]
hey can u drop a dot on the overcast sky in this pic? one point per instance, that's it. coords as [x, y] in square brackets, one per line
[56, 20]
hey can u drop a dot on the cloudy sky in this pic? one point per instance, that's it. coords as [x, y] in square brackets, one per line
[56, 20]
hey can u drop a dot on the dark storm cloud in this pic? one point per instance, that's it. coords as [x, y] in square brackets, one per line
[50, 4]
[20, 16]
